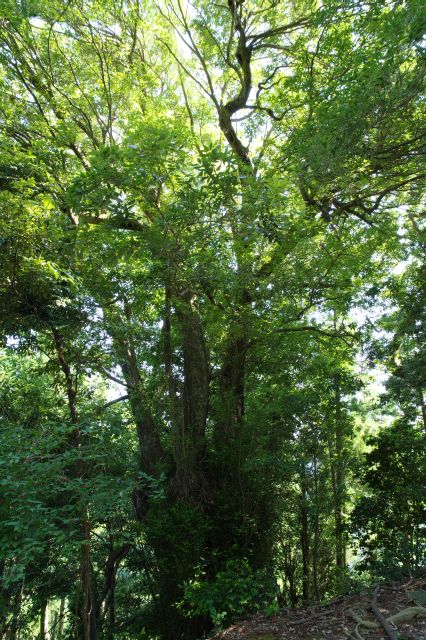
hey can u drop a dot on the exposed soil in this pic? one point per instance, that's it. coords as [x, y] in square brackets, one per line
[334, 620]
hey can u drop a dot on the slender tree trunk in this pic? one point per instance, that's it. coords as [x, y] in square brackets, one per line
[151, 451]
[16, 612]
[150, 448]
[4, 598]
[61, 619]
[290, 573]
[55, 621]
[173, 385]
[339, 485]
[292, 589]
[110, 573]
[304, 537]
[111, 610]
[44, 616]
[88, 611]
[315, 549]
[423, 409]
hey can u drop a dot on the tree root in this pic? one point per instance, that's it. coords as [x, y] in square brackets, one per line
[387, 627]
[408, 614]
[363, 621]
[356, 635]
[402, 616]
[349, 635]
[387, 624]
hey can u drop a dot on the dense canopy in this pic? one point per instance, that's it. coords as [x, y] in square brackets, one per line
[212, 309]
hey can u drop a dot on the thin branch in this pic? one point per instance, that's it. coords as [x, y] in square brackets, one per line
[314, 329]
[111, 402]
[126, 225]
[110, 376]
[288, 28]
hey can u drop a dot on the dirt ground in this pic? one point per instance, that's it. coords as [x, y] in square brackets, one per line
[334, 620]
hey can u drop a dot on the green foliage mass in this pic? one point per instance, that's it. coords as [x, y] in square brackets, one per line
[211, 246]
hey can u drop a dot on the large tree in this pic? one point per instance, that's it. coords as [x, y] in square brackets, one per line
[194, 185]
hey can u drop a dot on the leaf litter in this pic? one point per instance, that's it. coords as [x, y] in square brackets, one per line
[339, 619]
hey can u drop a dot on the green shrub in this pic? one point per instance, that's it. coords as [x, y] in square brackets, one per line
[235, 590]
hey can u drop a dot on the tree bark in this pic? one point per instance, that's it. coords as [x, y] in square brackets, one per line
[54, 629]
[190, 445]
[88, 610]
[61, 619]
[44, 613]
[150, 448]
[315, 548]
[290, 572]
[16, 611]
[339, 482]
[423, 409]
[304, 536]
[108, 596]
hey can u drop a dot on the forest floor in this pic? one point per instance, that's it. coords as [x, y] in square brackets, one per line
[337, 620]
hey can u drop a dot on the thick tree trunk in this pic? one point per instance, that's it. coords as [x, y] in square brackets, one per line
[233, 383]
[233, 372]
[190, 445]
